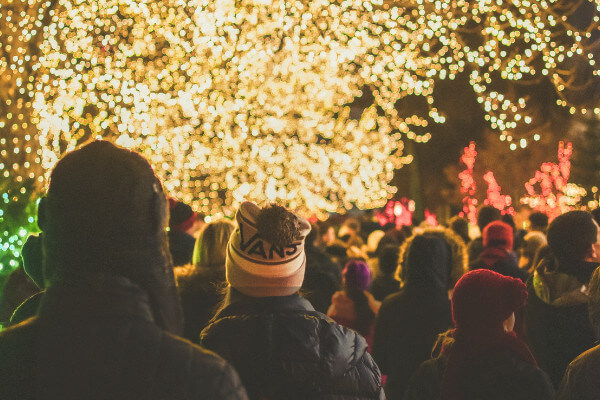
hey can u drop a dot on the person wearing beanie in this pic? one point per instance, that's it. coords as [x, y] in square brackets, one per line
[580, 381]
[497, 252]
[485, 215]
[482, 358]
[556, 315]
[409, 321]
[107, 323]
[354, 307]
[281, 347]
[181, 222]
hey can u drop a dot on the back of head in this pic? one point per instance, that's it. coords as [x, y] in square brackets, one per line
[105, 216]
[538, 221]
[571, 235]
[460, 225]
[181, 216]
[210, 249]
[482, 300]
[498, 234]
[533, 242]
[356, 275]
[265, 254]
[425, 261]
[486, 215]
[388, 258]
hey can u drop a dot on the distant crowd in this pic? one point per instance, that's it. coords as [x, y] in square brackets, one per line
[127, 293]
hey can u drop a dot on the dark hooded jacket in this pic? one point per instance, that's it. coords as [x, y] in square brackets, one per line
[105, 344]
[556, 316]
[283, 349]
[409, 321]
[201, 292]
[580, 381]
[499, 375]
[107, 322]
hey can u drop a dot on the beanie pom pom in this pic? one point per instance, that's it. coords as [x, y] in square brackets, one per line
[277, 225]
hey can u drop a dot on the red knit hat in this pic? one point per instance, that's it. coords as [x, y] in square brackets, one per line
[498, 231]
[484, 299]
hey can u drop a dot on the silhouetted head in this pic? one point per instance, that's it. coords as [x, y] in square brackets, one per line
[105, 216]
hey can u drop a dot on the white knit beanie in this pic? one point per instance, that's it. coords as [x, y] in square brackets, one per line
[261, 260]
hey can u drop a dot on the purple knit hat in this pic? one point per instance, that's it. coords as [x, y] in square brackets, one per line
[357, 275]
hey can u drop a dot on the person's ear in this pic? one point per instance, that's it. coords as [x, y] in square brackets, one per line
[41, 214]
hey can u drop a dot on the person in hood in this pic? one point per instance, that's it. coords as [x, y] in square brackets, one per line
[482, 358]
[354, 307]
[409, 322]
[580, 381]
[107, 323]
[497, 252]
[556, 316]
[281, 347]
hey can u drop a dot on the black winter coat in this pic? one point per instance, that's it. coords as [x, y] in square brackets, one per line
[581, 379]
[322, 279]
[201, 292]
[409, 321]
[556, 333]
[498, 376]
[89, 345]
[406, 328]
[283, 349]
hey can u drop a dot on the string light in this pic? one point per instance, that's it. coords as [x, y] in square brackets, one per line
[494, 196]
[247, 99]
[468, 187]
[549, 190]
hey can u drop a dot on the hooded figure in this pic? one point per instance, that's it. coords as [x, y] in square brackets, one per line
[556, 315]
[482, 358]
[409, 321]
[107, 322]
[281, 347]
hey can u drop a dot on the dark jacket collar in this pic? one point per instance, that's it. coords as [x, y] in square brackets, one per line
[582, 270]
[119, 297]
[241, 304]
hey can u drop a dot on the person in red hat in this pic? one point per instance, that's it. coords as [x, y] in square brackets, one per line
[482, 358]
[497, 252]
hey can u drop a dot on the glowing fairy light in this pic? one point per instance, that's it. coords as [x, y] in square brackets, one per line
[247, 99]
[468, 187]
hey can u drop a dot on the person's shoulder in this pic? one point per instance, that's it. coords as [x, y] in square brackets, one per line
[589, 359]
[205, 371]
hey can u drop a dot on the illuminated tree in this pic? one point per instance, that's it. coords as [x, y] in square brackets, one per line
[549, 191]
[468, 187]
[248, 98]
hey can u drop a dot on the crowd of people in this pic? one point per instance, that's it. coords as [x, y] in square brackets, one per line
[127, 294]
